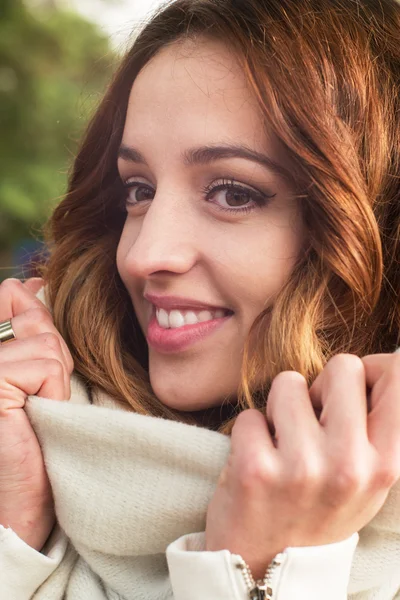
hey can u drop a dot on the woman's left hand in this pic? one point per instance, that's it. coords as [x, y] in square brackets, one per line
[321, 479]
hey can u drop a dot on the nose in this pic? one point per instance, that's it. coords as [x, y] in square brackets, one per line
[165, 240]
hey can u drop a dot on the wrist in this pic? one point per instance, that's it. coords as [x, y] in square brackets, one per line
[34, 530]
[256, 564]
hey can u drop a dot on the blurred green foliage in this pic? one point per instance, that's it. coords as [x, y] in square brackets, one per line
[54, 66]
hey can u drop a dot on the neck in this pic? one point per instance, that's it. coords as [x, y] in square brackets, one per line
[213, 418]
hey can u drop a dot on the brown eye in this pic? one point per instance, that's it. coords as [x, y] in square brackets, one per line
[237, 197]
[143, 193]
[138, 193]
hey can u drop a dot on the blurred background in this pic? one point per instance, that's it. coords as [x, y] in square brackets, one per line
[56, 57]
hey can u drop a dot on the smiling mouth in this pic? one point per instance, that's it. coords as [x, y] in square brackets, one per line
[175, 319]
[176, 330]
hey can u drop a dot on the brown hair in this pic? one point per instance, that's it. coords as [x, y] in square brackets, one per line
[327, 76]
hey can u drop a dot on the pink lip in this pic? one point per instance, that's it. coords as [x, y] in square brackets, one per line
[179, 302]
[168, 341]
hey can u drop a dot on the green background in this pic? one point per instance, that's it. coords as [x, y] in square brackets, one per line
[54, 66]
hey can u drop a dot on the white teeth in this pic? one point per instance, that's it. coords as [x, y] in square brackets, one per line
[176, 319]
[162, 318]
[204, 315]
[191, 318]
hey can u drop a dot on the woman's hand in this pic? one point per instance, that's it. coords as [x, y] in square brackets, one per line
[319, 480]
[37, 362]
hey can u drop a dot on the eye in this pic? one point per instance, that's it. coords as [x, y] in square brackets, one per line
[231, 196]
[226, 195]
[234, 197]
[138, 192]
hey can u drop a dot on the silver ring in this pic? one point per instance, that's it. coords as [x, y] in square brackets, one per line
[6, 332]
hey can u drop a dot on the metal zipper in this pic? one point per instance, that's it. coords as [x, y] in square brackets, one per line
[262, 589]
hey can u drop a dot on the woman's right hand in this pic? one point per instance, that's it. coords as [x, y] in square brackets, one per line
[37, 362]
[317, 469]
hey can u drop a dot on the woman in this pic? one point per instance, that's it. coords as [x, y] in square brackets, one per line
[230, 236]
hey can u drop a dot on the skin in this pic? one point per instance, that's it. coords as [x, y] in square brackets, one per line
[179, 243]
[322, 479]
[38, 362]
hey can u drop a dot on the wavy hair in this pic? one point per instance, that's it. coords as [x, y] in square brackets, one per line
[326, 74]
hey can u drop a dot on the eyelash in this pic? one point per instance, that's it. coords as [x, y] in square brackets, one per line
[261, 199]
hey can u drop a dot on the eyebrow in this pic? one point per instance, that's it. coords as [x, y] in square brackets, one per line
[208, 154]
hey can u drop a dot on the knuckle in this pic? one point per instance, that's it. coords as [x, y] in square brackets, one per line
[254, 473]
[51, 340]
[346, 482]
[304, 476]
[386, 475]
[53, 367]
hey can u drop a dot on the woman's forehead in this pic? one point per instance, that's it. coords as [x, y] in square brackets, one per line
[199, 97]
[211, 72]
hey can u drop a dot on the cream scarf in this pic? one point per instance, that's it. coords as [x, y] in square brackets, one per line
[127, 485]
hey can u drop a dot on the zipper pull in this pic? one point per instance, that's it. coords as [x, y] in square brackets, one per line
[263, 589]
[261, 592]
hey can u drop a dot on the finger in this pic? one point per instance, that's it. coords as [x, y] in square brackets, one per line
[36, 321]
[45, 345]
[252, 448]
[375, 366]
[36, 324]
[340, 390]
[290, 413]
[34, 284]
[384, 417]
[16, 298]
[41, 377]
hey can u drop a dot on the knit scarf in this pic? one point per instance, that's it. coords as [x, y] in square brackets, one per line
[126, 485]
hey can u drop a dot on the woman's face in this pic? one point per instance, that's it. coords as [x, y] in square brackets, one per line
[212, 228]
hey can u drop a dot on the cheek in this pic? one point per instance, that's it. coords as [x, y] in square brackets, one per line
[260, 265]
[123, 256]
[123, 249]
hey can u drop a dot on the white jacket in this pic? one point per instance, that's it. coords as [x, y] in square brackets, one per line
[131, 495]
